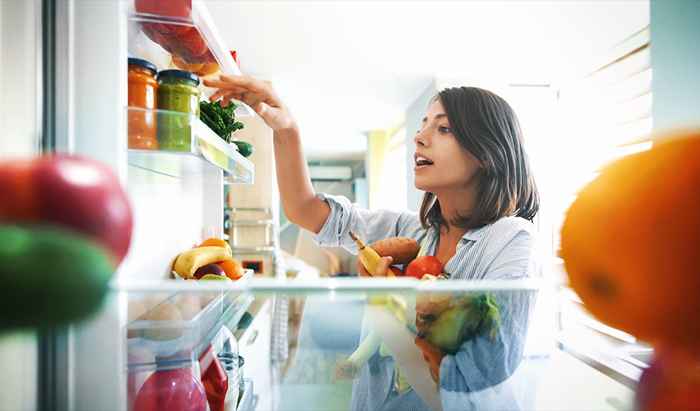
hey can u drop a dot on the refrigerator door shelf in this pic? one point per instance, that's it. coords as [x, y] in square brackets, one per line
[189, 43]
[187, 147]
[163, 334]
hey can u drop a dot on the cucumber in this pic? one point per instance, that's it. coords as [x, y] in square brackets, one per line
[246, 149]
[49, 276]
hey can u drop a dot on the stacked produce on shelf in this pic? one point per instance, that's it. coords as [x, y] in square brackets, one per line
[210, 260]
[629, 243]
[65, 226]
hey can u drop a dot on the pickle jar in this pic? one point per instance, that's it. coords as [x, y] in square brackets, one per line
[177, 93]
[142, 126]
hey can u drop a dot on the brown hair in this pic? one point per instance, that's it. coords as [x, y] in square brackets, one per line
[486, 126]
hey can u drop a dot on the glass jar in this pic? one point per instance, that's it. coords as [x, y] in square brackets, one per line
[177, 91]
[142, 103]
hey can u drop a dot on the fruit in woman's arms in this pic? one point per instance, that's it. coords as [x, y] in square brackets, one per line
[402, 249]
[367, 256]
[672, 382]
[466, 317]
[187, 263]
[424, 265]
[76, 193]
[233, 268]
[50, 276]
[213, 268]
[630, 243]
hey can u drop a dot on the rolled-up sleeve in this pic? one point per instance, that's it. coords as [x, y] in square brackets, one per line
[370, 225]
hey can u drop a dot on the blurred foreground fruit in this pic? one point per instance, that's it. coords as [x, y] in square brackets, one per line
[73, 192]
[630, 243]
[672, 382]
[49, 276]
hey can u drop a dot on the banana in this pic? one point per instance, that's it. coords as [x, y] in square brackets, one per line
[368, 257]
[189, 261]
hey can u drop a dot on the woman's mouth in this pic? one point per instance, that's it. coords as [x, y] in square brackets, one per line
[422, 162]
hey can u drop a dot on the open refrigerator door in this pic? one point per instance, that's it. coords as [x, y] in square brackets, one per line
[175, 184]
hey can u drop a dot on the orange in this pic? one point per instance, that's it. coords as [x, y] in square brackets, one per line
[631, 242]
[213, 242]
[232, 268]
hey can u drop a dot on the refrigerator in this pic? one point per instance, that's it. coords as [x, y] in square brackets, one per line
[159, 343]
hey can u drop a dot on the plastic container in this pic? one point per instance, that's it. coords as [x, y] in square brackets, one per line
[177, 91]
[143, 89]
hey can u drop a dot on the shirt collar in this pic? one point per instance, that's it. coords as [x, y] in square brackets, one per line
[471, 235]
[475, 234]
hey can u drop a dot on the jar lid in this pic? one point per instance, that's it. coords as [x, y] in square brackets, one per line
[143, 63]
[181, 74]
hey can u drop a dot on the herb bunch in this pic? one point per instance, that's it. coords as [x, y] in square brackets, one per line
[221, 120]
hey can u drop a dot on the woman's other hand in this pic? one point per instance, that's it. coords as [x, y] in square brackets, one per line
[257, 94]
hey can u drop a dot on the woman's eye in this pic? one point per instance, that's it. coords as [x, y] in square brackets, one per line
[444, 129]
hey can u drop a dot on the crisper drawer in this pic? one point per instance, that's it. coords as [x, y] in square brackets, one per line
[254, 346]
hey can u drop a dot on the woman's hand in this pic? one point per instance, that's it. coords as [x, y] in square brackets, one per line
[382, 269]
[257, 94]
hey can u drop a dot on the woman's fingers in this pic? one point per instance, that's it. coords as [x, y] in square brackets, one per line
[383, 268]
[218, 94]
[362, 270]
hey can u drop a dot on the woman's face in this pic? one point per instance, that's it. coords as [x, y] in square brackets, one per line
[440, 163]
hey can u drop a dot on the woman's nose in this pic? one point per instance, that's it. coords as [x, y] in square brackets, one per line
[419, 139]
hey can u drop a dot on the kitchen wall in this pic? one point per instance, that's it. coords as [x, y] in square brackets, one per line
[676, 63]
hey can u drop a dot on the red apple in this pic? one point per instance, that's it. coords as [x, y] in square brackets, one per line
[70, 191]
[176, 389]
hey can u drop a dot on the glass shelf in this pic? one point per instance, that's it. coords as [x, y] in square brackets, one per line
[185, 145]
[175, 36]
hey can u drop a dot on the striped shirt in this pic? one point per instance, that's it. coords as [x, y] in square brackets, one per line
[477, 376]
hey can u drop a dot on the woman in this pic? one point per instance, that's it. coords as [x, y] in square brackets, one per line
[476, 218]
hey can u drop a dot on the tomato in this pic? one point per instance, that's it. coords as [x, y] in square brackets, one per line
[194, 44]
[424, 265]
[169, 8]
